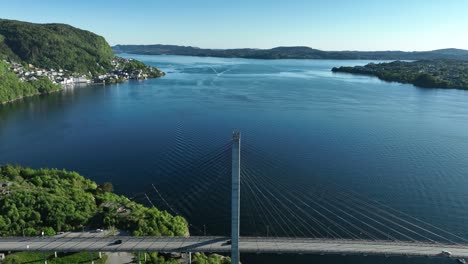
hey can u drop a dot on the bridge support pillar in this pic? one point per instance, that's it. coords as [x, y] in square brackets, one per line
[55, 254]
[235, 200]
[100, 254]
[139, 259]
[188, 259]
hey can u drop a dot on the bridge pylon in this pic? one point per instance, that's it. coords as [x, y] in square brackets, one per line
[235, 201]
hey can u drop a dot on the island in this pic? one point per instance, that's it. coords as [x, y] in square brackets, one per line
[51, 201]
[425, 73]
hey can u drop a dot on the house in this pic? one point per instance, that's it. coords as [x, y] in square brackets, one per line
[80, 80]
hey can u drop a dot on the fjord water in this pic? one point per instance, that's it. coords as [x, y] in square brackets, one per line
[403, 146]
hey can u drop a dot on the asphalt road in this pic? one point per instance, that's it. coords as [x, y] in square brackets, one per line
[105, 243]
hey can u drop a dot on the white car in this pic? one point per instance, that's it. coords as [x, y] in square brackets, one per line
[446, 253]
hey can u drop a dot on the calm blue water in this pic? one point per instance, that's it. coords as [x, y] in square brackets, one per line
[302, 126]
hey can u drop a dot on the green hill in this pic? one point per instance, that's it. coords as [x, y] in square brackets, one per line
[55, 46]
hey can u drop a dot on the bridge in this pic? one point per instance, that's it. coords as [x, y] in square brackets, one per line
[220, 245]
[320, 223]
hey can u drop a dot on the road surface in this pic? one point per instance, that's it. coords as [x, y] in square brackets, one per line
[219, 244]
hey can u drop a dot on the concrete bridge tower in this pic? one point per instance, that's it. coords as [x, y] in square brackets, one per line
[235, 197]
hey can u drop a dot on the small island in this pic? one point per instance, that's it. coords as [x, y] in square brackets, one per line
[427, 74]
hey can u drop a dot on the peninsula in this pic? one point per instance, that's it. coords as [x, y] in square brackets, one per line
[427, 74]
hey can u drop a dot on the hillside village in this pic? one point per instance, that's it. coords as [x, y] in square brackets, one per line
[123, 69]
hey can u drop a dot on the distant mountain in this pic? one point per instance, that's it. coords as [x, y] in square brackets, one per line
[292, 53]
[454, 52]
[56, 46]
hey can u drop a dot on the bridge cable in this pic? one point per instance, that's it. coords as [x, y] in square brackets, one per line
[287, 208]
[282, 216]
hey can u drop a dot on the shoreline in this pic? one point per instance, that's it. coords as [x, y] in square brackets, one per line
[63, 87]
[422, 74]
[30, 95]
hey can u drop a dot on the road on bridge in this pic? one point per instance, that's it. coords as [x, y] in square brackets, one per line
[219, 244]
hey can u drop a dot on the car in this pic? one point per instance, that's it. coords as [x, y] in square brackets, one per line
[118, 242]
[446, 253]
[462, 261]
[99, 230]
[229, 242]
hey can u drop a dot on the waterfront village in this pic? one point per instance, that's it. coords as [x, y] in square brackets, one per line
[120, 73]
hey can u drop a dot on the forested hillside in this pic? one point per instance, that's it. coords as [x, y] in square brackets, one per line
[50, 200]
[428, 74]
[54, 46]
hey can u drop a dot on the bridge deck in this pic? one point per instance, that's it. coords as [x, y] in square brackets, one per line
[218, 244]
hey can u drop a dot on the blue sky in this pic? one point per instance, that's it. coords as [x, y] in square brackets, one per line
[327, 24]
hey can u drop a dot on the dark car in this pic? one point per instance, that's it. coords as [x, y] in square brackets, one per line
[118, 242]
[228, 242]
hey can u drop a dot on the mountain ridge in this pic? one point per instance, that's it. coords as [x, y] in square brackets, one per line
[292, 52]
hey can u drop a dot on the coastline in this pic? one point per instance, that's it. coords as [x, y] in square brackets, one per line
[123, 69]
[30, 95]
[65, 86]
[436, 74]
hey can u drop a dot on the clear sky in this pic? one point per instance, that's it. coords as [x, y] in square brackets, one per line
[326, 24]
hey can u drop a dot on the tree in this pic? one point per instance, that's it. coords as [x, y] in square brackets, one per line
[49, 231]
[107, 187]
[29, 231]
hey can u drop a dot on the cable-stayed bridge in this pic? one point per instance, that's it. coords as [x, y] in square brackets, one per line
[246, 245]
[316, 219]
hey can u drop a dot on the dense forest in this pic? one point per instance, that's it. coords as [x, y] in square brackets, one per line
[292, 53]
[12, 88]
[428, 74]
[52, 201]
[55, 46]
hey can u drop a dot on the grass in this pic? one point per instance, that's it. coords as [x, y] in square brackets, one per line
[63, 258]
